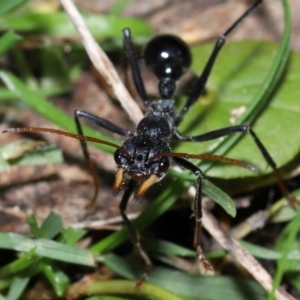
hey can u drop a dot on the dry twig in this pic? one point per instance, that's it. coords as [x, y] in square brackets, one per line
[102, 64]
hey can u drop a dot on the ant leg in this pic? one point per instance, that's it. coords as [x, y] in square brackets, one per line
[134, 236]
[197, 208]
[136, 74]
[201, 81]
[101, 123]
[244, 129]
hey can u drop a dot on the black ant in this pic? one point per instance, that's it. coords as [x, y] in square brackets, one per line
[146, 155]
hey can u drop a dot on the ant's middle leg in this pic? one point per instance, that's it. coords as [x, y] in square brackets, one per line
[243, 129]
[134, 236]
[101, 123]
[197, 208]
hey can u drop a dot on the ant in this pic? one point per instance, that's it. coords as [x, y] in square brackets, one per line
[146, 154]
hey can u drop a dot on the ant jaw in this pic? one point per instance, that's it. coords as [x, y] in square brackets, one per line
[144, 186]
[119, 181]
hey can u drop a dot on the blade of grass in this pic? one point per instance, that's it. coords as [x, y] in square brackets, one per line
[47, 110]
[187, 285]
[47, 248]
[121, 287]
[52, 226]
[17, 287]
[23, 262]
[285, 242]
[58, 279]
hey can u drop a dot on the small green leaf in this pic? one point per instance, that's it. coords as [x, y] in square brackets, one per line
[58, 279]
[52, 226]
[218, 196]
[71, 235]
[34, 227]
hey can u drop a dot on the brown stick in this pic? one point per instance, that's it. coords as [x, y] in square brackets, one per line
[101, 62]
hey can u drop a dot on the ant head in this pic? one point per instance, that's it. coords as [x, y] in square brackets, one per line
[168, 57]
[141, 166]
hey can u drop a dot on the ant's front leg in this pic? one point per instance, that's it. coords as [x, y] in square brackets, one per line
[243, 129]
[134, 236]
[197, 208]
[101, 123]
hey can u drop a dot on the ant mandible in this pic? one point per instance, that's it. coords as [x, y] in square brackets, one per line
[146, 155]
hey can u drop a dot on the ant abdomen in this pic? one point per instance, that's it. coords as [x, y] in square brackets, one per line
[167, 56]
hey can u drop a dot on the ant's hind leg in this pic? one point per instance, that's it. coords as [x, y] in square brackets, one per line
[197, 209]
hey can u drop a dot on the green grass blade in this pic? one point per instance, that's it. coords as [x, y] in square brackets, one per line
[34, 227]
[286, 243]
[46, 248]
[122, 287]
[24, 261]
[37, 102]
[58, 279]
[17, 287]
[188, 285]
[71, 235]
[52, 226]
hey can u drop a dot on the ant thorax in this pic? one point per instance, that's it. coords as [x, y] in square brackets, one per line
[165, 110]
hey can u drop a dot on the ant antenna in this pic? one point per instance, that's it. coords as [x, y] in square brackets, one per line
[81, 138]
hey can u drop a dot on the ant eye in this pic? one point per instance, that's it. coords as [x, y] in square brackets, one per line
[119, 157]
[164, 164]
